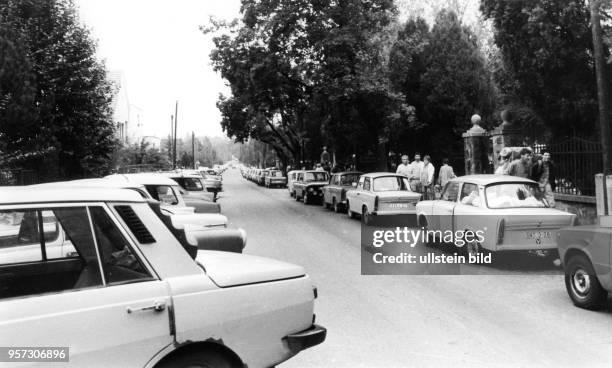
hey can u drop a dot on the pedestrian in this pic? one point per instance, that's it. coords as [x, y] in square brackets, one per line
[521, 166]
[325, 158]
[427, 178]
[319, 168]
[543, 172]
[414, 175]
[404, 167]
[504, 161]
[446, 173]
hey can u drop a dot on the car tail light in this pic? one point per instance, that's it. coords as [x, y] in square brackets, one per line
[376, 203]
[501, 229]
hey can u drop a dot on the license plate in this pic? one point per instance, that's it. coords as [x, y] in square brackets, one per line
[539, 234]
[399, 205]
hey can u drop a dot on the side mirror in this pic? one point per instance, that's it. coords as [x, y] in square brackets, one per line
[354, 185]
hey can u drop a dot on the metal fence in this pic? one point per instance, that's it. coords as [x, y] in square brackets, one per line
[18, 177]
[576, 160]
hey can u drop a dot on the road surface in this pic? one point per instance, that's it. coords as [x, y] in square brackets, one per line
[414, 321]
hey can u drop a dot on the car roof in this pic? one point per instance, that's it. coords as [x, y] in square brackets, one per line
[487, 179]
[312, 171]
[91, 183]
[144, 179]
[379, 174]
[59, 194]
[183, 175]
[347, 173]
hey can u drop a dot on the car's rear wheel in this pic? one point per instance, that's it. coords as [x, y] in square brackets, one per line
[199, 359]
[582, 284]
[366, 217]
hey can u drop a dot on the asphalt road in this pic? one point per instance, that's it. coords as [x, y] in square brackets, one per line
[522, 320]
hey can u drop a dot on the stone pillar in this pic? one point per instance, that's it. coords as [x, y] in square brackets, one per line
[505, 135]
[475, 143]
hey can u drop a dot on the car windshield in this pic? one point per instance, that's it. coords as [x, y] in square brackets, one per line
[192, 184]
[349, 179]
[514, 195]
[390, 183]
[277, 174]
[316, 176]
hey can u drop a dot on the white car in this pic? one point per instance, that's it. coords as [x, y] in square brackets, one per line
[381, 194]
[509, 212]
[130, 296]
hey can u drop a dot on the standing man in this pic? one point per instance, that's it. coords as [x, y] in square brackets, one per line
[427, 178]
[446, 173]
[521, 166]
[415, 173]
[325, 160]
[404, 167]
[543, 172]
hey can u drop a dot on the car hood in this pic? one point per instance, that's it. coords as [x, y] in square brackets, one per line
[231, 269]
[201, 205]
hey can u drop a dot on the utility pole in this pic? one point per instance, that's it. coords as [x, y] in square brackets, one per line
[175, 128]
[602, 87]
[193, 149]
[171, 153]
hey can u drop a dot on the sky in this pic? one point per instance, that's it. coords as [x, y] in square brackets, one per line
[163, 55]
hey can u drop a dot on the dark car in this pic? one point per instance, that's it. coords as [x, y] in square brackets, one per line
[309, 184]
[334, 193]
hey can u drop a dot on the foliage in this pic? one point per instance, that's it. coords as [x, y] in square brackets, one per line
[141, 154]
[55, 100]
[546, 49]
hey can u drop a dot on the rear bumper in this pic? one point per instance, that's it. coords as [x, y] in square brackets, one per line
[306, 339]
[395, 212]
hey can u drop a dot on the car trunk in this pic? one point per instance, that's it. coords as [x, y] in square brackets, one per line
[231, 269]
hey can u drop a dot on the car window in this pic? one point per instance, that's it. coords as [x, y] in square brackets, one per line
[390, 183]
[349, 179]
[64, 258]
[366, 184]
[118, 260]
[360, 183]
[191, 184]
[514, 195]
[470, 194]
[451, 192]
[163, 193]
[316, 176]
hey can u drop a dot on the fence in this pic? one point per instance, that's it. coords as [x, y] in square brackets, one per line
[576, 160]
[18, 177]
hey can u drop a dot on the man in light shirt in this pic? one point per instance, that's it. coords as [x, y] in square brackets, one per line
[404, 167]
[446, 173]
[427, 178]
[415, 173]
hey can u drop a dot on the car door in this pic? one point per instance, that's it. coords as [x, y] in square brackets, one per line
[102, 301]
[442, 209]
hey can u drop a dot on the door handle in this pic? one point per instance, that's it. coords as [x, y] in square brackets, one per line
[157, 307]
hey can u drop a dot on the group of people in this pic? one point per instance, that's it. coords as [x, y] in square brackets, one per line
[421, 174]
[538, 168]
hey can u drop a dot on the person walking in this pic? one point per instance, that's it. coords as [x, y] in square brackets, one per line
[543, 172]
[446, 173]
[521, 166]
[504, 161]
[404, 167]
[427, 178]
[414, 175]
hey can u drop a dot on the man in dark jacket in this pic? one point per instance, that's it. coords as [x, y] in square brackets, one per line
[543, 171]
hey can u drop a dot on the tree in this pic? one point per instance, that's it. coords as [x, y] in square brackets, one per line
[140, 154]
[65, 95]
[546, 50]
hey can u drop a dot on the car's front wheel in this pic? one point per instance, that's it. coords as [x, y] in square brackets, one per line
[306, 199]
[582, 284]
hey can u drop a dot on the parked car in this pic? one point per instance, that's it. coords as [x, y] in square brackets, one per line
[508, 209]
[381, 194]
[309, 184]
[192, 184]
[585, 254]
[275, 178]
[291, 178]
[261, 178]
[167, 191]
[129, 295]
[334, 193]
[212, 181]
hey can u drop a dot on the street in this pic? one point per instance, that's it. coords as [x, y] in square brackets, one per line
[413, 321]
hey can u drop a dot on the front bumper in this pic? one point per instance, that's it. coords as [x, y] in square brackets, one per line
[306, 339]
